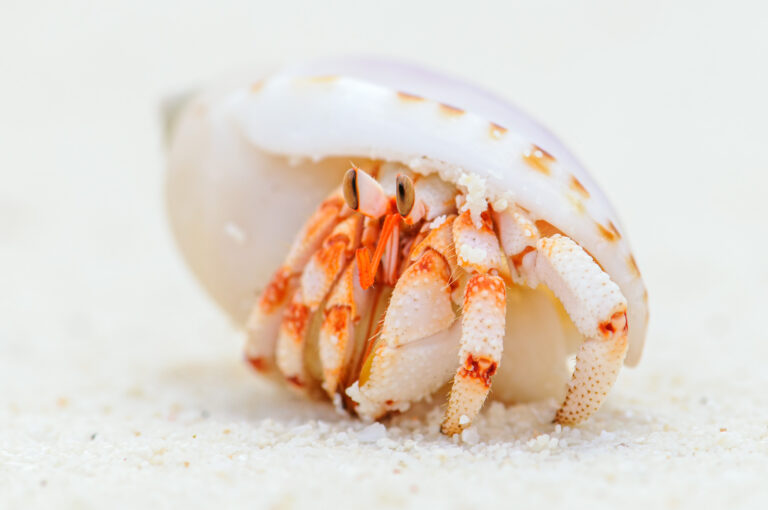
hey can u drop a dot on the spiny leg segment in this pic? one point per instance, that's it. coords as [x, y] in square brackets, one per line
[341, 330]
[265, 318]
[482, 321]
[415, 353]
[320, 273]
[592, 300]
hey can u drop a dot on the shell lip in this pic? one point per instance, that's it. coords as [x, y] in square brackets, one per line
[298, 116]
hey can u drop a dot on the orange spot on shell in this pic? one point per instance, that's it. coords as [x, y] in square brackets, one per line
[256, 87]
[450, 110]
[539, 159]
[323, 79]
[496, 131]
[633, 265]
[577, 186]
[577, 203]
[610, 233]
[405, 96]
[481, 368]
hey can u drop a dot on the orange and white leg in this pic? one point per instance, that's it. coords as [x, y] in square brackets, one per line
[592, 300]
[290, 341]
[319, 275]
[416, 351]
[518, 236]
[341, 317]
[339, 331]
[264, 321]
[482, 323]
[597, 308]
[438, 197]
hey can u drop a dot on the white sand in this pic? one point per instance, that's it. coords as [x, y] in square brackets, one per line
[120, 385]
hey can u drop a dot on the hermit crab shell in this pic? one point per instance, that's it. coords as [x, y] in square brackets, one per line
[249, 162]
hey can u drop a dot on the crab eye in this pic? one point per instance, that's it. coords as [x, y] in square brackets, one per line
[405, 195]
[349, 186]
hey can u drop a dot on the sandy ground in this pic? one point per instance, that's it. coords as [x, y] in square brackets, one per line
[121, 385]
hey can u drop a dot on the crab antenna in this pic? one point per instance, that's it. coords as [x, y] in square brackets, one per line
[368, 266]
[364, 194]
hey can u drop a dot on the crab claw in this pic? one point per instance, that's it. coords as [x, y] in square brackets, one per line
[416, 351]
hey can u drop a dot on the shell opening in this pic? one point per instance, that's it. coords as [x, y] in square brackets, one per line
[401, 208]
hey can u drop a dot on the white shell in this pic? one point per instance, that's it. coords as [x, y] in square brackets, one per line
[235, 203]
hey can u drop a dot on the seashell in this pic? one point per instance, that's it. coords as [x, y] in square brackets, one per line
[248, 163]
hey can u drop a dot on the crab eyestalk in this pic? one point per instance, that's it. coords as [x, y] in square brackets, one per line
[365, 195]
[409, 206]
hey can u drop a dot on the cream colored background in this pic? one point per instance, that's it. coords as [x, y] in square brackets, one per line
[103, 331]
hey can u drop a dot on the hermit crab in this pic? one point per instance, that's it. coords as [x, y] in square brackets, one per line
[381, 232]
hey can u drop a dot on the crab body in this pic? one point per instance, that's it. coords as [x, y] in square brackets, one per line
[439, 236]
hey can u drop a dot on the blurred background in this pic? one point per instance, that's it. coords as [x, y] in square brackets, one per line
[104, 332]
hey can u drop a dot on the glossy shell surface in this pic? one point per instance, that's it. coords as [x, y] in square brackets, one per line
[249, 161]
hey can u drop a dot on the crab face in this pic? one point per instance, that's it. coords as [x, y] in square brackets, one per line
[438, 236]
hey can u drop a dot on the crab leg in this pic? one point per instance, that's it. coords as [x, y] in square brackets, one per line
[415, 352]
[338, 332]
[592, 300]
[341, 315]
[316, 280]
[482, 322]
[518, 236]
[264, 321]
[291, 339]
[326, 263]
[597, 308]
